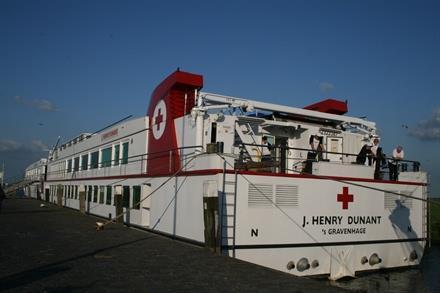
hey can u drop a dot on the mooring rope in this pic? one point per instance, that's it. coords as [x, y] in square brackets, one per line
[101, 225]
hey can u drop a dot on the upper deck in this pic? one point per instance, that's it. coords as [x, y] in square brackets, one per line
[184, 122]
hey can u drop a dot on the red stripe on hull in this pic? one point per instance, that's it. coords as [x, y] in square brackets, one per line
[219, 171]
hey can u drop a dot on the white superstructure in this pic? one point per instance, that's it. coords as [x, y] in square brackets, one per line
[193, 169]
[34, 177]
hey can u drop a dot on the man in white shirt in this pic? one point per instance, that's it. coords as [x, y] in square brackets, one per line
[398, 155]
[266, 154]
[375, 146]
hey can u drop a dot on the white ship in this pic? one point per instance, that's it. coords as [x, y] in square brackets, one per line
[34, 177]
[196, 168]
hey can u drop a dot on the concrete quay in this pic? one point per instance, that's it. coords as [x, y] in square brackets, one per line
[55, 249]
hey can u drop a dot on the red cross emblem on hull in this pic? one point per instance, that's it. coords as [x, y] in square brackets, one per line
[345, 198]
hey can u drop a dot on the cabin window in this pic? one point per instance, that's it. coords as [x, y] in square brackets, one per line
[124, 159]
[89, 193]
[136, 197]
[95, 193]
[108, 199]
[85, 162]
[76, 164]
[101, 194]
[106, 157]
[126, 197]
[213, 132]
[69, 166]
[116, 155]
[94, 159]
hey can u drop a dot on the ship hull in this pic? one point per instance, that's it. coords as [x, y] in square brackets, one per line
[296, 224]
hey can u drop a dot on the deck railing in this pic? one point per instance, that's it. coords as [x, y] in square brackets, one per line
[132, 165]
[279, 160]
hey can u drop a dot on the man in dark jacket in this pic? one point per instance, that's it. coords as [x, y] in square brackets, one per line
[364, 154]
[378, 158]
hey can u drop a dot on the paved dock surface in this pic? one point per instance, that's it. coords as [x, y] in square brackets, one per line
[54, 249]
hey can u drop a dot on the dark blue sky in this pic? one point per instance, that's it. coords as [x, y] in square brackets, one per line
[68, 67]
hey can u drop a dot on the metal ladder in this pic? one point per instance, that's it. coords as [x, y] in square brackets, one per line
[228, 213]
[426, 229]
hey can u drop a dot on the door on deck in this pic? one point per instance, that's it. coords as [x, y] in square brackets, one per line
[281, 154]
[82, 199]
[145, 205]
[60, 193]
[334, 146]
[47, 194]
[211, 215]
[119, 210]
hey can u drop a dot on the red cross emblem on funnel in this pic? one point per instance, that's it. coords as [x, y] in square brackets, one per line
[159, 119]
[345, 197]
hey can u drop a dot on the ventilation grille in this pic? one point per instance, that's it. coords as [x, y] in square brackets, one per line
[393, 201]
[286, 195]
[390, 200]
[406, 201]
[260, 195]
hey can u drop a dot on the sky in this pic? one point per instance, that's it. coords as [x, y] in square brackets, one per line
[68, 67]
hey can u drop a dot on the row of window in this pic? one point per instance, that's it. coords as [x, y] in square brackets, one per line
[100, 194]
[94, 161]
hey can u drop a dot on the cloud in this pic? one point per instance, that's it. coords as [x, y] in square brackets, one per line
[428, 129]
[17, 156]
[39, 146]
[39, 104]
[9, 145]
[44, 105]
[326, 87]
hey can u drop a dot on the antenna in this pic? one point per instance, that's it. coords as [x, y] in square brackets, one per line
[49, 156]
[56, 144]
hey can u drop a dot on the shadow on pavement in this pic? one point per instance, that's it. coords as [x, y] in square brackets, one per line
[42, 272]
[32, 212]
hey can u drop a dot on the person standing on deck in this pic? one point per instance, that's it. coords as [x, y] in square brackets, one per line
[315, 153]
[378, 157]
[266, 154]
[393, 163]
[364, 155]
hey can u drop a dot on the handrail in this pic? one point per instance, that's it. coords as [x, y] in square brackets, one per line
[402, 165]
[322, 151]
[127, 161]
[328, 152]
